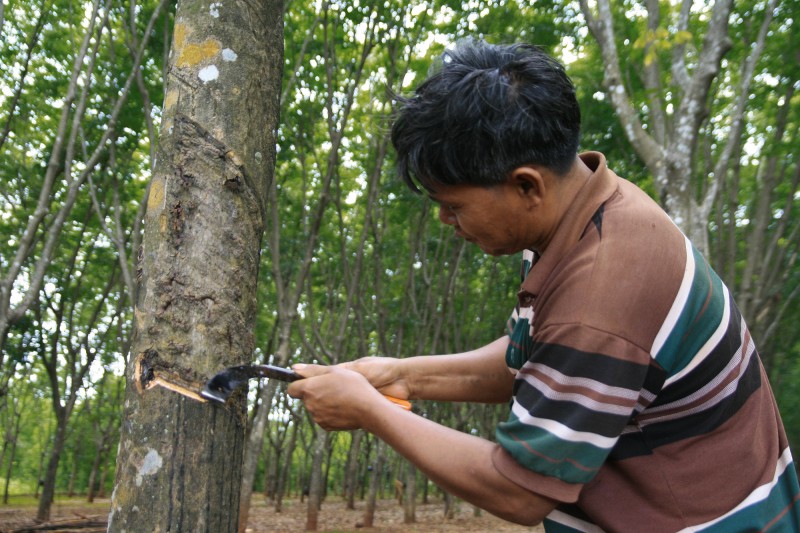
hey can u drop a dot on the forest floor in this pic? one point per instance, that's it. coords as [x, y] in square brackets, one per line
[334, 517]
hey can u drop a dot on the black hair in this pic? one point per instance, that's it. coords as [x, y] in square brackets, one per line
[484, 111]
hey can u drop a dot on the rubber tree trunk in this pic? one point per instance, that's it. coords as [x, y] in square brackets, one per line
[351, 477]
[12, 455]
[375, 480]
[179, 462]
[48, 482]
[410, 497]
[255, 441]
[317, 481]
[284, 468]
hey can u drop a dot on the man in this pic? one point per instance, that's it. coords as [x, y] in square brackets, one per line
[637, 398]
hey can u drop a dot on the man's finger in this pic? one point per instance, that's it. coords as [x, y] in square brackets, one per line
[309, 370]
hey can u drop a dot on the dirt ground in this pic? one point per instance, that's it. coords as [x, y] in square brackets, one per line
[333, 518]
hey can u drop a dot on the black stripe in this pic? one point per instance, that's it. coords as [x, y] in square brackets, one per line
[661, 434]
[708, 369]
[573, 510]
[597, 366]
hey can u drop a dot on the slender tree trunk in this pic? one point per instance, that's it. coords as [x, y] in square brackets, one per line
[49, 486]
[410, 498]
[351, 478]
[374, 483]
[180, 459]
[449, 506]
[101, 489]
[255, 441]
[316, 483]
[90, 486]
[285, 468]
[40, 469]
[11, 456]
[73, 473]
[101, 484]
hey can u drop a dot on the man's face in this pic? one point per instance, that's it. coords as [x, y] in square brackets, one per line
[489, 217]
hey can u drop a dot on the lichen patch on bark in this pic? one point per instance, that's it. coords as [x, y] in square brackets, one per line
[151, 464]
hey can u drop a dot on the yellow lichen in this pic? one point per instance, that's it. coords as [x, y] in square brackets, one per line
[194, 53]
[155, 199]
[190, 54]
[170, 99]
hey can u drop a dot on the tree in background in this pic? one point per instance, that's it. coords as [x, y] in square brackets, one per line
[71, 80]
[705, 96]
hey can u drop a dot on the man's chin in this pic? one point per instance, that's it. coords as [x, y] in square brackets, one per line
[489, 251]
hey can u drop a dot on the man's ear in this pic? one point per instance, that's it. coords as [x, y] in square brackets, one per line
[529, 183]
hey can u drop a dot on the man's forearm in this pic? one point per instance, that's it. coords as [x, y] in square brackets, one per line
[477, 376]
[459, 463]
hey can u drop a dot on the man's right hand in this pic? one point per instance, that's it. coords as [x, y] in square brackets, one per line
[384, 373]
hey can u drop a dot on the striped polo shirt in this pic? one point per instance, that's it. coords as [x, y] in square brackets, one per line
[640, 401]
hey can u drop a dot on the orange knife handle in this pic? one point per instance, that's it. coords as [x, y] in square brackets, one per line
[405, 404]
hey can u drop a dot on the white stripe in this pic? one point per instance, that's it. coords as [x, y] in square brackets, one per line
[645, 398]
[678, 303]
[580, 399]
[759, 494]
[560, 430]
[710, 344]
[739, 360]
[716, 399]
[587, 383]
[563, 518]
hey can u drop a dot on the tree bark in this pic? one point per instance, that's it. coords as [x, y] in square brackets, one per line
[410, 496]
[351, 477]
[179, 464]
[374, 483]
[14, 436]
[317, 481]
[255, 439]
[285, 466]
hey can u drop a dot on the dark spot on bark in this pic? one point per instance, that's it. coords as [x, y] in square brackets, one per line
[177, 223]
[233, 183]
[146, 366]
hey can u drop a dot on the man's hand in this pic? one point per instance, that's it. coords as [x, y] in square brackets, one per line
[336, 398]
[383, 373]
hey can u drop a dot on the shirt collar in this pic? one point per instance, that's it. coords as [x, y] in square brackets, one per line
[598, 188]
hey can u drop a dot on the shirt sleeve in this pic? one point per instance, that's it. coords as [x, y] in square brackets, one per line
[570, 406]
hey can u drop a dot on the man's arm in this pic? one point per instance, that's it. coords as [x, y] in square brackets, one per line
[459, 463]
[479, 375]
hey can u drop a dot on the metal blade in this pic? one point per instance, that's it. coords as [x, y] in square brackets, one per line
[221, 386]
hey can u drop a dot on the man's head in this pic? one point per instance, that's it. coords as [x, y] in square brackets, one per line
[486, 110]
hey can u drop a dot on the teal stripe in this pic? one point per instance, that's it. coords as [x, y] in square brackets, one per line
[541, 451]
[698, 320]
[519, 346]
[778, 513]
[551, 526]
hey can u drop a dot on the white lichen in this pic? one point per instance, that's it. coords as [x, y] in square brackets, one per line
[229, 55]
[209, 73]
[152, 463]
[213, 9]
